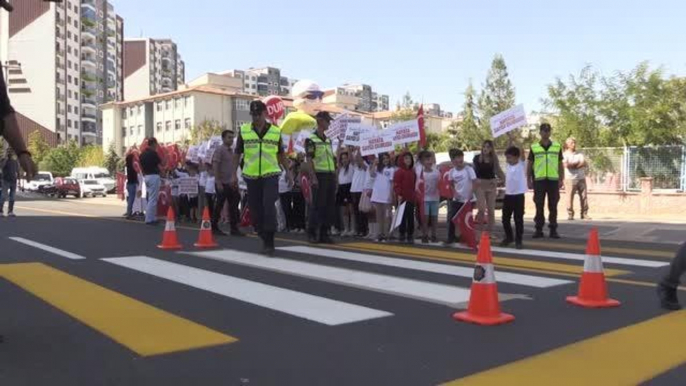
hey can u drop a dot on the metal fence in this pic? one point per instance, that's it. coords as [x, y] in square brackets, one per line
[621, 169]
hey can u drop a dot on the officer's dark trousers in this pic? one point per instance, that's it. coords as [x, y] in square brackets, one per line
[262, 196]
[543, 189]
[676, 268]
[324, 203]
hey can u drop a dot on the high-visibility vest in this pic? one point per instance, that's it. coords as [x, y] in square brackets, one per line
[324, 161]
[546, 162]
[260, 155]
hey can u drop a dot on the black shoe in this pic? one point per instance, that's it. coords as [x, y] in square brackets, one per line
[410, 240]
[312, 239]
[434, 239]
[268, 251]
[538, 235]
[326, 240]
[425, 240]
[237, 233]
[554, 235]
[506, 243]
[218, 232]
[668, 298]
[518, 245]
[153, 223]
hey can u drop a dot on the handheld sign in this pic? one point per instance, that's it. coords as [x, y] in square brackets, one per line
[405, 132]
[352, 134]
[376, 142]
[275, 108]
[508, 120]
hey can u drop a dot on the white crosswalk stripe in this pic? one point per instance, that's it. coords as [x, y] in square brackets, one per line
[452, 270]
[327, 311]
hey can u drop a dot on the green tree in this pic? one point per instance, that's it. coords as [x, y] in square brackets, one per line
[61, 160]
[91, 155]
[205, 130]
[497, 95]
[469, 133]
[406, 109]
[112, 160]
[38, 146]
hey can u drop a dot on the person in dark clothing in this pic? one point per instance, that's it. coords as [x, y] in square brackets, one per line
[131, 185]
[226, 193]
[404, 181]
[545, 175]
[150, 164]
[320, 153]
[667, 288]
[259, 143]
[8, 184]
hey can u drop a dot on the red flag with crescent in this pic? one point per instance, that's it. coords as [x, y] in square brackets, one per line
[464, 220]
[445, 186]
[306, 189]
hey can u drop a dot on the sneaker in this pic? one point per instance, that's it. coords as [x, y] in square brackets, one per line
[312, 239]
[434, 239]
[153, 223]
[538, 235]
[449, 244]
[554, 235]
[668, 298]
[586, 218]
[410, 240]
[381, 239]
[506, 243]
[518, 245]
[571, 218]
[425, 240]
[268, 251]
[335, 232]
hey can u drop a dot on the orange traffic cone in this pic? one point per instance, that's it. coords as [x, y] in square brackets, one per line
[592, 288]
[169, 239]
[205, 239]
[484, 307]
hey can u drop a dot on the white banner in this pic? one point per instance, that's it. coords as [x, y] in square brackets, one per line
[202, 151]
[405, 132]
[188, 185]
[299, 143]
[376, 142]
[352, 134]
[213, 144]
[508, 120]
[192, 154]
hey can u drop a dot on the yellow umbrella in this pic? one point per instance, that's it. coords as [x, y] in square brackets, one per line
[297, 121]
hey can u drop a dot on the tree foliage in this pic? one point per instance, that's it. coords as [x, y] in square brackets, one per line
[497, 95]
[91, 155]
[469, 133]
[62, 159]
[112, 160]
[205, 130]
[38, 146]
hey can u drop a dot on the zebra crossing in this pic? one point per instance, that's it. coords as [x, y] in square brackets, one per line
[361, 272]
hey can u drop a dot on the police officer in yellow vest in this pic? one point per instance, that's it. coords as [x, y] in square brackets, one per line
[260, 145]
[545, 174]
[320, 154]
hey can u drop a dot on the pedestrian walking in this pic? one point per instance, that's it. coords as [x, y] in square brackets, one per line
[8, 183]
[404, 185]
[150, 165]
[575, 179]
[544, 176]
[487, 169]
[667, 288]
[131, 185]
[320, 154]
[515, 190]
[227, 194]
[259, 143]
[463, 178]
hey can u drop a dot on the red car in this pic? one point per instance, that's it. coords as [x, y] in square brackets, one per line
[67, 187]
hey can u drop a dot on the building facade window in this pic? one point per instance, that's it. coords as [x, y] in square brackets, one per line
[187, 124]
[167, 126]
[177, 124]
[140, 128]
[241, 104]
[159, 126]
[168, 105]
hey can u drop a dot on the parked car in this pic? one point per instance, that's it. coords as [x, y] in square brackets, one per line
[48, 190]
[92, 188]
[68, 187]
[41, 179]
[102, 175]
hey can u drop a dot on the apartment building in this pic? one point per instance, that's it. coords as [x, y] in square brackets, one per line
[63, 60]
[151, 66]
[263, 81]
[169, 117]
[356, 97]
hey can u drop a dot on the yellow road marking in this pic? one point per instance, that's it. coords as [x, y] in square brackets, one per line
[499, 261]
[629, 356]
[144, 329]
[615, 250]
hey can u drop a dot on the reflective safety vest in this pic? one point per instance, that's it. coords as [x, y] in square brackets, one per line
[324, 161]
[546, 162]
[260, 156]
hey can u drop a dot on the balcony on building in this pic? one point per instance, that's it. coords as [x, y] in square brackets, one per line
[88, 115]
[88, 60]
[89, 4]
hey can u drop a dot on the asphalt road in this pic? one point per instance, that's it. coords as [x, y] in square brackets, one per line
[88, 299]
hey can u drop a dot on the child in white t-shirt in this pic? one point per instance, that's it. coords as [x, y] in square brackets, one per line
[382, 194]
[463, 178]
[432, 177]
[368, 189]
[515, 189]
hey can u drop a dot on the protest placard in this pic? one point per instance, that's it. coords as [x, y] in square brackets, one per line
[352, 134]
[405, 132]
[192, 154]
[340, 125]
[508, 120]
[214, 143]
[188, 185]
[376, 142]
[202, 151]
[299, 143]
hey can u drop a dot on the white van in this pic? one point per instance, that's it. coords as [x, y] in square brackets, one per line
[99, 174]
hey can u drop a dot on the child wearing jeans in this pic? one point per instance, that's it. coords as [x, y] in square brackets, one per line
[382, 195]
[515, 189]
[463, 178]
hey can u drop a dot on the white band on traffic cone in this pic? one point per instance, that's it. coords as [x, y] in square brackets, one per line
[593, 264]
[484, 274]
[169, 226]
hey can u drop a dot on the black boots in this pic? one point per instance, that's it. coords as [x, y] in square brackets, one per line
[668, 298]
[267, 244]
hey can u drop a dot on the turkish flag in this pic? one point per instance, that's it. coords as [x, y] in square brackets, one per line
[445, 186]
[245, 218]
[306, 189]
[464, 221]
[420, 121]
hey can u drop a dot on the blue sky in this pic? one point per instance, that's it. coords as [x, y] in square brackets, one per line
[429, 48]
